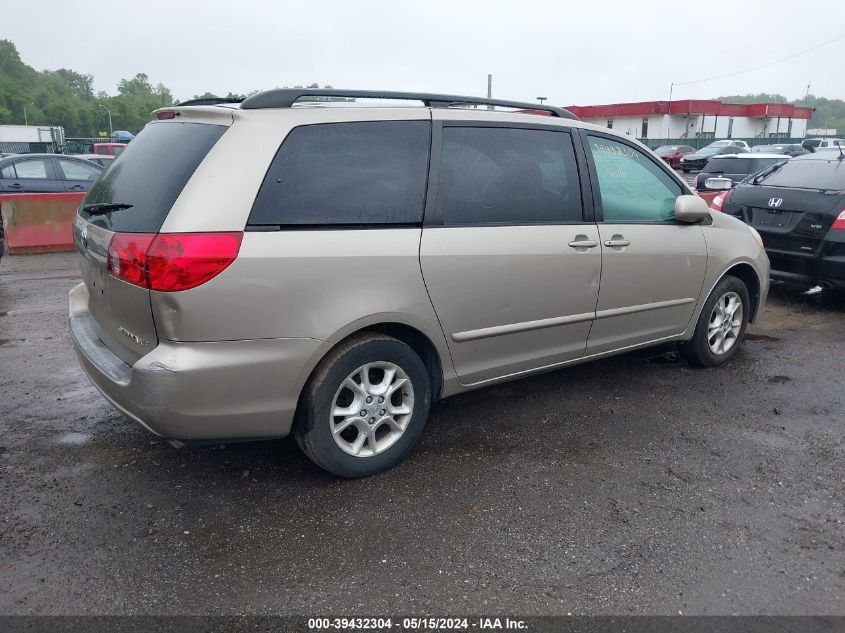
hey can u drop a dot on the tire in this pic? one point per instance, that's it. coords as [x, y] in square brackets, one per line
[698, 350]
[382, 440]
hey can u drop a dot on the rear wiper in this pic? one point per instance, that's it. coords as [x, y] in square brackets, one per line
[105, 207]
[767, 172]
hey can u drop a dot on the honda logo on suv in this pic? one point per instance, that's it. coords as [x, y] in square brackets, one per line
[775, 202]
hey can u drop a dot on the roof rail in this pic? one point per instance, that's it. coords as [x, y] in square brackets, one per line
[208, 101]
[286, 97]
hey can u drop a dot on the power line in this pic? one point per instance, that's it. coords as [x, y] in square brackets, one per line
[748, 70]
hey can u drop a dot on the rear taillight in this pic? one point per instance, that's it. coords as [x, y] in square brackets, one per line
[169, 262]
[839, 222]
[166, 115]
[718, 201]
[128, 257]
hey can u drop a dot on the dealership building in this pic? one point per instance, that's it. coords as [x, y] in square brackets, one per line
[694, 118]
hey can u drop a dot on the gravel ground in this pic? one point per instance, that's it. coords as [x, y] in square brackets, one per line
[632, 485]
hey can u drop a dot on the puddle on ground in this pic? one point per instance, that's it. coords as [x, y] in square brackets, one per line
[779, 380]
[74, 439]
[669, 358]
[761, 337]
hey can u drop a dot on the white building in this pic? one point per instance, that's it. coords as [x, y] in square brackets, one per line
[691, 119]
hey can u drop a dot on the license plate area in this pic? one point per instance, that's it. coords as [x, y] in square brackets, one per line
[776, 221]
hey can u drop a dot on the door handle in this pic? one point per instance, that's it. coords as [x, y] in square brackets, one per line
[16, 185]
[75, 187]
[617, 242]
[578, 242]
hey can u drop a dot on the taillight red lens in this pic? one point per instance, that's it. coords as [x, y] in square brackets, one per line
[169, 262]
[179, 261]
[166, 115]
[717, 202]
[128, 257]
[839, 222]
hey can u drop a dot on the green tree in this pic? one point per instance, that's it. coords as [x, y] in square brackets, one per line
[66, 98]
[763, 97]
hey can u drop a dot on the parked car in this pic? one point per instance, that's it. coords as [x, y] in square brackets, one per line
[730, 141]
[789, 149]
[347, 275]
[814, 144]
[103, 160]
[672, 153]
[698, 159]
[46, 173]
[735, 167]
[108, 149]
[122, 136]
[798, 206]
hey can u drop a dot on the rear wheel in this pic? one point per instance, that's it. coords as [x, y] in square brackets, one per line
[365, 407]
[721, 325]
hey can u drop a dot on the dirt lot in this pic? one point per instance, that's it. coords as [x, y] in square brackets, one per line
[632, 485]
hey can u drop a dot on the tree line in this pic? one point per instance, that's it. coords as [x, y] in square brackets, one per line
[829, 113]
[66, 98]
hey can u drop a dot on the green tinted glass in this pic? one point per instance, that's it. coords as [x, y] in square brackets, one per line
[633, 188]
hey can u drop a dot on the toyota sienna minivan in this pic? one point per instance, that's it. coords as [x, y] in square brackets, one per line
[295, 265]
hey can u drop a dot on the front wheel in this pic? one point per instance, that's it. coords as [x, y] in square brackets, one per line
[365, 406]
[721, 325]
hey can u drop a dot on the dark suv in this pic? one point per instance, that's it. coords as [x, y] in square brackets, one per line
[798, 206]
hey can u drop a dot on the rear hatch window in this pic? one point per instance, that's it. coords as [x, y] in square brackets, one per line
[728, 166]
[827, 175]
[150, 174]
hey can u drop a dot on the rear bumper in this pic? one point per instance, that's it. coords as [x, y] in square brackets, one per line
[198, 391]
[829, 271]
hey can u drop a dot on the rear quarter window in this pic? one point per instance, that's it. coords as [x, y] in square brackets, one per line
[359, 173]
[150, 174]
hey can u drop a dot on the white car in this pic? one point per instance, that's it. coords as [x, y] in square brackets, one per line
[729, 141]
[814, 144]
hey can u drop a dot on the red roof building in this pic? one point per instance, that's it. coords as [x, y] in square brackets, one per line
[699, 118]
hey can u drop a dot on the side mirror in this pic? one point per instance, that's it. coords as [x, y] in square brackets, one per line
[690, 209]
[718, 183]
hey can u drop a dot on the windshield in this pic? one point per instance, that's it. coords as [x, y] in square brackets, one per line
[150, 174]
[667, 148]
[709, 150]
[774, 149]
[809, 174]
[812, 142]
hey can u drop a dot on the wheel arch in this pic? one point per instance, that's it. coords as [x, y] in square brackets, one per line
[435, 357]
[747, 275]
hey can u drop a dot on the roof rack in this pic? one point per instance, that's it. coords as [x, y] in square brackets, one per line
[208, 101]
[286, 97]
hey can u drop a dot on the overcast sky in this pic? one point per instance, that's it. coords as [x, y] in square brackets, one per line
[586, 52]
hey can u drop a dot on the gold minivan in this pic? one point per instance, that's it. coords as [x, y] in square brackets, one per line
[327, 263]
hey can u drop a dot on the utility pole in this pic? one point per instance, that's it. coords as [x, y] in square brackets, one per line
[107, 109]
[669, 111]
[25, 120]
[489, 89]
